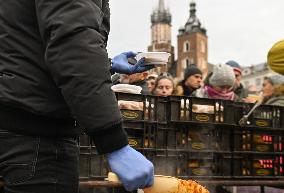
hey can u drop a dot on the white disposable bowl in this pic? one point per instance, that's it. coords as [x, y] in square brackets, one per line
[154, 57]
[127, 88]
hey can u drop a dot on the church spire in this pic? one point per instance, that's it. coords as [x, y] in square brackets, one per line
[161, 14]
[193, 24]
[161, 7]
[192, 9]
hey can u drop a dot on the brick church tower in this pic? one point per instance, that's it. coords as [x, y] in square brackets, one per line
[192, 44]
[161, 34]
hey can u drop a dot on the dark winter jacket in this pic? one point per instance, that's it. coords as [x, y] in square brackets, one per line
[143, 84]
[183, 90]
[54, 67]
[241, 93]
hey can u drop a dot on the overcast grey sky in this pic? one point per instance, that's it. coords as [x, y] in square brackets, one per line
[242, 30]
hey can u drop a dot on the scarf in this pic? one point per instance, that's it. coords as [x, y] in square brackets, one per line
[213, 94]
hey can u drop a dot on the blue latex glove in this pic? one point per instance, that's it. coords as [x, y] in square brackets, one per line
[121, 65]
[132, 168]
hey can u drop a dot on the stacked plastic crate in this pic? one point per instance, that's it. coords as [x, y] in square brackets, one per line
[141, 114]
[258, 145]
[203, 128]
[196, 138]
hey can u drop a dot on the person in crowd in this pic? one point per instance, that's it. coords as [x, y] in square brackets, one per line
[164, 86]
[220, 84]
[137, 79]
[55, 70]
[275, 57]
[151, 79]
[273, 90]
[191, 82]
[239, 89]
[217, 85]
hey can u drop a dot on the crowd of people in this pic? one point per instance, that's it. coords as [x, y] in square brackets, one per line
[224, 82]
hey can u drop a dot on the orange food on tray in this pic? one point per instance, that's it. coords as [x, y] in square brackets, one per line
[189, 186]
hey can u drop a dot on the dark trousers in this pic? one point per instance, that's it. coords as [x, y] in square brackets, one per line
[31, 164]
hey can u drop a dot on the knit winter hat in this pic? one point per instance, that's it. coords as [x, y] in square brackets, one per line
[191, 70]
[276, 79]
[222, 75]
[275, 57]
[235, 65]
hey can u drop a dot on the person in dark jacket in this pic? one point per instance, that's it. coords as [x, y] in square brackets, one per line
[54, 69]
[191, 82]
[239, 89]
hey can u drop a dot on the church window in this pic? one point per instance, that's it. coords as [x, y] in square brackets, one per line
[187, 62]
[186, 46]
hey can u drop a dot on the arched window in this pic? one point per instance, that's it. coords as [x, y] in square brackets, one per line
[187, 62]
[186, 46]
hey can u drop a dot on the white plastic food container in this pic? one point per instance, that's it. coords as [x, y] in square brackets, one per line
[127, 88]
[154, 58]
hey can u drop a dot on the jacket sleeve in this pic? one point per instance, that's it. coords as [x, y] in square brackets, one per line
[75, 36]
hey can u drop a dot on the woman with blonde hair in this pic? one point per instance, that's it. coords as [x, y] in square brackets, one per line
[164, 86]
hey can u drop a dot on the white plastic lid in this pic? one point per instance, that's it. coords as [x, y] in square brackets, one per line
[154, 57]
[127, 88]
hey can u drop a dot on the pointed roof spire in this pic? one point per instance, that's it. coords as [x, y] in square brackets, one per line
[192, 9]
[193, 24]
[161, 5]
[161, 14]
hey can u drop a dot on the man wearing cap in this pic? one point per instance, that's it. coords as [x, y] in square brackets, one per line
[275, 57]
[239, 89]
[191, 82]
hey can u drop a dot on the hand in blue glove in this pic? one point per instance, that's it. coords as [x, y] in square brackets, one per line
[132, 168]
[120, 64]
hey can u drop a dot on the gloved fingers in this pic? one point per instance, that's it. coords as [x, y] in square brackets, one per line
[150, 179]
[140, 66]
[130, 182]
[146, 177]
[129, 54]
[135, 182]
[141, 63]
[132, 168]
[144, 68]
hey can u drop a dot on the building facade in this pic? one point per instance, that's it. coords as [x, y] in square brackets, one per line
[161, 40]
[192, 41]
[192, 44]
[253, 75]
